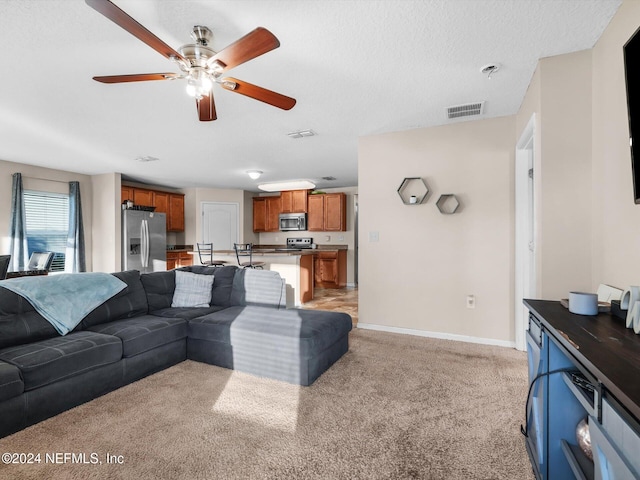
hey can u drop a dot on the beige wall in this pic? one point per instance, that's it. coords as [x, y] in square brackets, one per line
[107, 222]
[419, 273]
[560, 97]
[193, 211]
[45, 179]
[616, 219]
[326, 238]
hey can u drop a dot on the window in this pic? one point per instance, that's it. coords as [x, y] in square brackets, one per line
[47, 218]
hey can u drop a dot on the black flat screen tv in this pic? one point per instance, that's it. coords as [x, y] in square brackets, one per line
[632, 77]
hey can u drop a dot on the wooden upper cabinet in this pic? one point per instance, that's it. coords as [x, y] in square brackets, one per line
[175, 215]
[161, 202]
[171, 204]
[335, 212]
[126, 193]
[327, 212]
[293, 201]
[265, 214]
[315, 214]
[143, 197]
[259, 214]
[273, 213]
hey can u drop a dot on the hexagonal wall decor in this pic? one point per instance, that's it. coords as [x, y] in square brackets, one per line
[448, 204]
[413, 191]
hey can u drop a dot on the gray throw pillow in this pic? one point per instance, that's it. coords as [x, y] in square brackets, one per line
[192, 290]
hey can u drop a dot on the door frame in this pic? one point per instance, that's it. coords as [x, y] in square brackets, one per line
[526, 252]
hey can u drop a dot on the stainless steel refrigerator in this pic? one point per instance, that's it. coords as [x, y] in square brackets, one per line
[144, 241]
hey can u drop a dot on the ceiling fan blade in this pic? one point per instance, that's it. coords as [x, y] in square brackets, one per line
[119, 17]
[206, 108]
[252, 45]
[141, 77]
[258, 93]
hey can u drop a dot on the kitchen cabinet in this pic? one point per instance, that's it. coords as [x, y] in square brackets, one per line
[161, 202]
[331, 269]
[581, 368]
[327, 212]
[259, 214]
[265, 214]
[171, 204]
[175, 215]
[293, 201]
[178, 259]
[143, 197]
[126, 193]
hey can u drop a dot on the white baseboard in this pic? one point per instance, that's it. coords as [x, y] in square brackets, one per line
[441, 335]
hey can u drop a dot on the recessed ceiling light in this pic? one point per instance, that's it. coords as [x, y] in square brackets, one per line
[254, 174]
[147, 158]
[301, 133]
[288, 185]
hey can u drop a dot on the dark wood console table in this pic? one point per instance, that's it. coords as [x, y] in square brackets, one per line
[563, 350]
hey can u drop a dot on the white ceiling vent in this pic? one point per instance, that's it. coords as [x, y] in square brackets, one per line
[468, 110]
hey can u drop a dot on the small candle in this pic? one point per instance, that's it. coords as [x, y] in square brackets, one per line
[413, 199]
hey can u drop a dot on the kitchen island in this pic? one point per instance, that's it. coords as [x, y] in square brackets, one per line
[296, 266]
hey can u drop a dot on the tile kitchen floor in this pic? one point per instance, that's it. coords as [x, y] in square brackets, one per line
[336, 299]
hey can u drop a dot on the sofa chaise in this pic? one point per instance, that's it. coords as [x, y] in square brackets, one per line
[139, 331]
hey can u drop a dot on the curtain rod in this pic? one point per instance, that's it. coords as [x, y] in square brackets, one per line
[46, 179]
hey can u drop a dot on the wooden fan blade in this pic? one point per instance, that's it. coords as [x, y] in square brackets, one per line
[141, 77]
[119, 17]
[206, 108]
[250, 46]
[258, 93]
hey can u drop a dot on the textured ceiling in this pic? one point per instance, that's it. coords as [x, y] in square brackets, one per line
[356, 67]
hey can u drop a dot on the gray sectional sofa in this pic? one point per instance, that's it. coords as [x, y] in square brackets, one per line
[137, 332]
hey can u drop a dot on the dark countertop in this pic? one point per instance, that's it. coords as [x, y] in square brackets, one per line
[179, 248]
[601, 343]
[331, 248]
[274, 250]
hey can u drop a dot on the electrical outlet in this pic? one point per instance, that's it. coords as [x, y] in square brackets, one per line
[374, 236]
[471, 301]
[327, 238]
[277, 238]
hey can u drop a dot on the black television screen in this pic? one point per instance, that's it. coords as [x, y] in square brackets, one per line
[632, 76]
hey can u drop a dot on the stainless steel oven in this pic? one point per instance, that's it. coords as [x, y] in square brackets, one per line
[293, 222]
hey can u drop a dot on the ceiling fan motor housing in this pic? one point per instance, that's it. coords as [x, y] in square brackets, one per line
[202, 35]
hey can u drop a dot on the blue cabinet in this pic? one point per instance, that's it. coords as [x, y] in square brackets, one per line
[569, 383]
[537, 344]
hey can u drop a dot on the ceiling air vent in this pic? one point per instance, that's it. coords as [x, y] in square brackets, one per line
[468, 110]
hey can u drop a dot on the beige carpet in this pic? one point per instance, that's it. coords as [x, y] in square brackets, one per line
[394, 407]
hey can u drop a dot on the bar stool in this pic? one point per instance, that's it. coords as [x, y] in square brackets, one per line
[245, 250]
[205, 253]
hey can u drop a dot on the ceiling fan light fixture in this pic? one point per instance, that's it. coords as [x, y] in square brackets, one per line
[288, 185]
[199, 83]
[254, 174]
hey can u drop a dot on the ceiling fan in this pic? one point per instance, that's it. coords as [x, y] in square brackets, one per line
[200, 65]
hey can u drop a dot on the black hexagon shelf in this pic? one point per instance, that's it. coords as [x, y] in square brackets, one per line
[413, 191]
[448, 204]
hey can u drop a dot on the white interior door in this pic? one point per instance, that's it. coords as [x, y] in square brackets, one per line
[220, 224]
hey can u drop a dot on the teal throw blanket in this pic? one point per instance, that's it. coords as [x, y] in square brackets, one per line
[65, 299]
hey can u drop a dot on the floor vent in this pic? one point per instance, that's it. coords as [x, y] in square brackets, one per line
[468, 110]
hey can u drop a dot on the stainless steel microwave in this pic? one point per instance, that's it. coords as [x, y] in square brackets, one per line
[293, 221]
